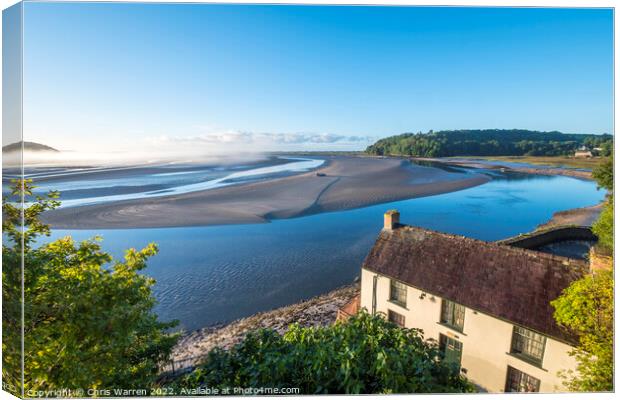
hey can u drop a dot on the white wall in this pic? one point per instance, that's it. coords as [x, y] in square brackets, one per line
[486, 339]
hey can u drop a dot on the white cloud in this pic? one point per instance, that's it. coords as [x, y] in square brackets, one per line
[251, 139]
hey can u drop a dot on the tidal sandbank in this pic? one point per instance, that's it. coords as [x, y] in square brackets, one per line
[342, 183]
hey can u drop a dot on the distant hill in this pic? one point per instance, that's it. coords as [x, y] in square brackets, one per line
[489, 142]
[30, 146]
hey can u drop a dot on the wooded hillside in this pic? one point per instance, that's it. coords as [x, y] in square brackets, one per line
[489, 142]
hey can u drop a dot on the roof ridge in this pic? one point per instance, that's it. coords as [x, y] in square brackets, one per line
[504, 247]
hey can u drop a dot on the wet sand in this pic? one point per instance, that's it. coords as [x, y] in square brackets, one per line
[585, 216]
[556, 172]
[348, 182]
[573, 173]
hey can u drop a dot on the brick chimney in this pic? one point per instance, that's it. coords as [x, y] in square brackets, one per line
[391, 219]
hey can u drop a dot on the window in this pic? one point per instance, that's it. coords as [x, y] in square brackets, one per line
[452, 314]
[451, 349]
[518, 381]
[396, 318]
[398, 293]
[374, 294]
[528, 345]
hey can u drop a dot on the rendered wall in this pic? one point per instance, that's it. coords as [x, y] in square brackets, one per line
[486, 340]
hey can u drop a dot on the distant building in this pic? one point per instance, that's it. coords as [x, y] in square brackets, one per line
[487, 304]
[583, 154]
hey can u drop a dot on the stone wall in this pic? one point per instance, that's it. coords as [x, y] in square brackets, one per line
[537, 239]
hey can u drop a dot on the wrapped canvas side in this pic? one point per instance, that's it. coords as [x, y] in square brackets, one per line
[12, 202]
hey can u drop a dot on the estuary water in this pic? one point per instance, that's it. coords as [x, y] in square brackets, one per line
[208, 275]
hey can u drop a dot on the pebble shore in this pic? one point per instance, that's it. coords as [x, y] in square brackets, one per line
[317, 311]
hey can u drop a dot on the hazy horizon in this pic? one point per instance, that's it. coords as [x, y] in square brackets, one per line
[180, 152]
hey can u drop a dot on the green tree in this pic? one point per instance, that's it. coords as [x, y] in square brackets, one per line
[586, 308]
[604, 174]
[607, 148]
[603, 227]
[365, 354]
[88, 319]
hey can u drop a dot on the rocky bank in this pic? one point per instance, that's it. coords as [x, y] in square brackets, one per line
[317, 311]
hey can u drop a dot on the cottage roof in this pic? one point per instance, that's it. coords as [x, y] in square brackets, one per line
[506, 282]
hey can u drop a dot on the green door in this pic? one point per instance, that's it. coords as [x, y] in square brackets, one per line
[452, 350]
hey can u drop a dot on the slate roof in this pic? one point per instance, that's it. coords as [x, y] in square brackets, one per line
[506, 282]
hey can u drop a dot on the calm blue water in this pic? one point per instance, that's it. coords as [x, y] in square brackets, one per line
[216, 274]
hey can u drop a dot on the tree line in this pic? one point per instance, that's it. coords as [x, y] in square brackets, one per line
[490, 142]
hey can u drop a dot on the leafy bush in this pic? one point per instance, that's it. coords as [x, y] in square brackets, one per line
[603, 227]
[365, 354]
[586, 308]
[88, 320]
[604, 174]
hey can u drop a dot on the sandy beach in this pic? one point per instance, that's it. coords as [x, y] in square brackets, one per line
[342, 183]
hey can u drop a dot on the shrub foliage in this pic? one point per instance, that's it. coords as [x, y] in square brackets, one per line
[587, 309]
[87, 318]
[365, 354]
[604, 174]
[604, 226]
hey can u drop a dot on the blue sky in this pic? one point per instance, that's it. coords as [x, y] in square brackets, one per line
[120, 75]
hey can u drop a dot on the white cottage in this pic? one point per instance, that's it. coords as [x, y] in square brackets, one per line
[488, 305]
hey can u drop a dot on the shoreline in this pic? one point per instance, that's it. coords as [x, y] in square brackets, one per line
[584, 216]
[320, 310]
[550, 171]
[587, 175]
[342, 183]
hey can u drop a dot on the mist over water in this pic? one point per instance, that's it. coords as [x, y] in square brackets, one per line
[104, 185]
